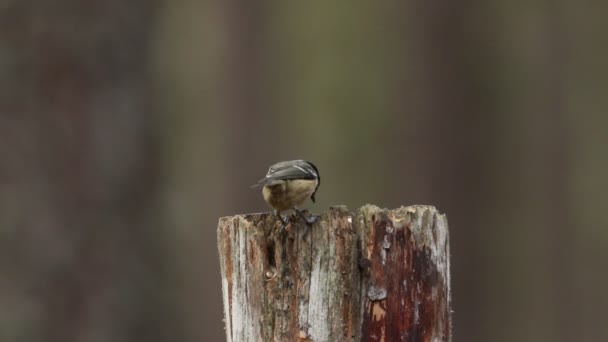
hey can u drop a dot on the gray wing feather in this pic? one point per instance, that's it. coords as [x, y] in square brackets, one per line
[293, 169]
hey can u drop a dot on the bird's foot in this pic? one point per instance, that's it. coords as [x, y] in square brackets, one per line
[310, 220]
[284, 220]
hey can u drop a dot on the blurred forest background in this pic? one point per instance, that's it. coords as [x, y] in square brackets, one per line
[127, 128]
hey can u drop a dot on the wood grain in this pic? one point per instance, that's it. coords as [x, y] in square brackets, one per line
[370, 275]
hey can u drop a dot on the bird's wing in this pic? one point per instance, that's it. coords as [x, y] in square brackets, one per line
[295, 169]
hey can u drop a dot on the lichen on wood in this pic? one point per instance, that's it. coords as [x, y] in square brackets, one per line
[371, 275]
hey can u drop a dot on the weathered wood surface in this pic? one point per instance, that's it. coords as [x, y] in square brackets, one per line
[371, 275]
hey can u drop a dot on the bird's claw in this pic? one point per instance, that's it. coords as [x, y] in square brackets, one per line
[310, 220]
[284, 221]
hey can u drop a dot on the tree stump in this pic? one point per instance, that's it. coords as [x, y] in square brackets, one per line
[371, 275]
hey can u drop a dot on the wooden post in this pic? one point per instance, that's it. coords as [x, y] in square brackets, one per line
[371, 275]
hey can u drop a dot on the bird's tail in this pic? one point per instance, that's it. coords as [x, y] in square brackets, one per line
[261, 182]
[268, 182]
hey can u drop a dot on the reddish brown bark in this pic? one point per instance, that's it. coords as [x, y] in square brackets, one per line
[372, 275]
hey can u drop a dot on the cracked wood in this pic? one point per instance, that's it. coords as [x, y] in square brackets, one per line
[369, 275]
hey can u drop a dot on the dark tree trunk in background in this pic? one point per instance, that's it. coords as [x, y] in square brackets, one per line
[553, 167]
[78, 182]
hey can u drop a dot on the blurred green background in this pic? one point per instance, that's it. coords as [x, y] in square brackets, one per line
[127, 128]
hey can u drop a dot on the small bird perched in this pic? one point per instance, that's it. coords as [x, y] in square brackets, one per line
[288, 184]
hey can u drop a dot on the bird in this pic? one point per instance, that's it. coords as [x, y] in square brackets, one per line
[288, 184]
